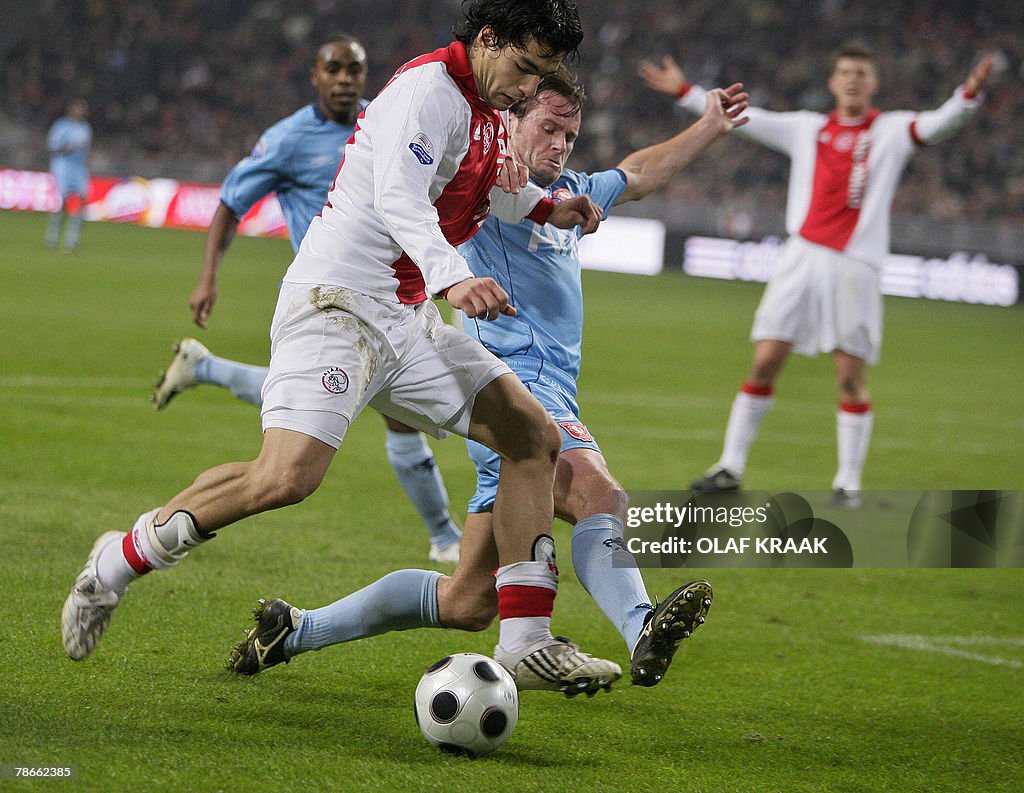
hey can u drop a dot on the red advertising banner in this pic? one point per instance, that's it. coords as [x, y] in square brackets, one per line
[147, 202]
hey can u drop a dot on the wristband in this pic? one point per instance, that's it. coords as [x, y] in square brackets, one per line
[684, 90]
[540, 213]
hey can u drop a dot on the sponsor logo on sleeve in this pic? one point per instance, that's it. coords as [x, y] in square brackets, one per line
[421, 146]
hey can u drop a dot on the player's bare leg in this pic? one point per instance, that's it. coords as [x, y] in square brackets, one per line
[289, 468]
[467, 599]
[508, 419]
[854, 421]
[748, 410]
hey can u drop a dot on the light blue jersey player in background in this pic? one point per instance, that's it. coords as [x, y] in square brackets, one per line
[298, 158]
[539, 267]
[68, 142]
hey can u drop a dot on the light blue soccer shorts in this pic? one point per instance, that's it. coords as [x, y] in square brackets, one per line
[560, 404]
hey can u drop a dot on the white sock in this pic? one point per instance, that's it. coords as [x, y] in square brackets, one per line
[136, 553]
[526, 595]
[748, 409]
[853, 435]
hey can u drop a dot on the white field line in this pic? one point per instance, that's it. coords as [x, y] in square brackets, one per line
[952, 646]
[71, 383]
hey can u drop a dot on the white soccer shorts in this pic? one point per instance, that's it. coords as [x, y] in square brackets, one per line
[822, 301]
[335, 351]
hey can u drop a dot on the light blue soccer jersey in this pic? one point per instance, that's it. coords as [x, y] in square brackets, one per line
[70, 168]
[297, 158]
[539, 267]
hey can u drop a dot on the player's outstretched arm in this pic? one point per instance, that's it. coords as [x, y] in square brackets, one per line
[218, 239]
[666, 78]
[650, 169]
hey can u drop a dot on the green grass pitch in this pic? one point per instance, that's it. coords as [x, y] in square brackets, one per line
[777, 692]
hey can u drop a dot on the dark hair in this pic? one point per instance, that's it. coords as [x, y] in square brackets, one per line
[339, 38]
[853, 49]
[553, 24]
[563, 83]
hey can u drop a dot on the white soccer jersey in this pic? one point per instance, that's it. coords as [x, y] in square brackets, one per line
[843, 175]
[417, 179]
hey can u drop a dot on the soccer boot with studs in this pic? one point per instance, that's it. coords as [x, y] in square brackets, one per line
[668, 623]
[263, 646]
[89, 605]
[180, 374]
[558, 664]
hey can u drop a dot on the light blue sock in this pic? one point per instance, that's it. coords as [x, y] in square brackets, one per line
[399, 601]
[53, 229]
[245, 381]
[413, 463]
[72, 232]
[609, 573]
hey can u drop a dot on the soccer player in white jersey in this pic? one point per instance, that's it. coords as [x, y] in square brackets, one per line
[69, 141]
[825, 296]
[298, 158]
[354, 326]
[540, 265]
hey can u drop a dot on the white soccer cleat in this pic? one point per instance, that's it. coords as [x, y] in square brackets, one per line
[559, 665]
[181, 372]
[447, 555]
[88, 607]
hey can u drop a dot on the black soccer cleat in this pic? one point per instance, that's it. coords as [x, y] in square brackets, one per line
[845, 499]
[264, 645]
[717, 480]
[668, 623]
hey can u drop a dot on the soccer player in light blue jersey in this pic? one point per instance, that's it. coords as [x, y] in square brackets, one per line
[68, 142]
[539, 267]
[298, 158]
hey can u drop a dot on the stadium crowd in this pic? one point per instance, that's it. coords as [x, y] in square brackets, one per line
[176, 86]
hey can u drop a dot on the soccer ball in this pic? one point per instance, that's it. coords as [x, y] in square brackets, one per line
[467, 704]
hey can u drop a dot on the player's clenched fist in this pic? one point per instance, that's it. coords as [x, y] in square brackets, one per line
[576, 211]
[479, 297]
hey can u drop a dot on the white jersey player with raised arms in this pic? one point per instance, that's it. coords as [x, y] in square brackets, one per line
[825, 295]
[353, 327]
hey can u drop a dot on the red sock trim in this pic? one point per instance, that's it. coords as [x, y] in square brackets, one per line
[133, 555]
[515, 600]
[855, 407]
[757, 390]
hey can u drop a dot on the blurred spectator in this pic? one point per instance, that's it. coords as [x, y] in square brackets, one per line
[183, 88]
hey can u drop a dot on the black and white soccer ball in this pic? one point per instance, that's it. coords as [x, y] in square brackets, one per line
[467, 704]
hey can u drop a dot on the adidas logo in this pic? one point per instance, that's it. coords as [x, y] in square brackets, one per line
[616, 542]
